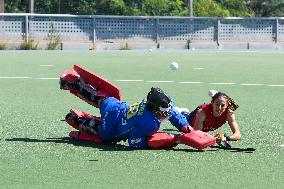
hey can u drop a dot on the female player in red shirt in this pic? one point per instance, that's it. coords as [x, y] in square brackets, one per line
[211, 116]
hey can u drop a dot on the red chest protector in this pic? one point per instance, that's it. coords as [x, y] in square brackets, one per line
[212, 123]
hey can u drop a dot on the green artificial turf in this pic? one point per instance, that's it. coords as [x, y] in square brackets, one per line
[35, 151]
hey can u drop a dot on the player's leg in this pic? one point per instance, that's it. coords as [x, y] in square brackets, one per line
[107, 127]
[72, 81]
[83, 121]
[87, 85]
[111, 111]
[86, 125]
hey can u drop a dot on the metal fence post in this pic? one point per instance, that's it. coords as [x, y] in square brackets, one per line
[94, 30]
[217, 30]
[157, 31]
[276, 30]
[26, 28]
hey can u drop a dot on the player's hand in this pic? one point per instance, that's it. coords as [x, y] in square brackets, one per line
[222, 140]
[186, 129]
[220, 136]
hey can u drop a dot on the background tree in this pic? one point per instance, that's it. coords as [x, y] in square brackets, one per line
[266, 8]
[209, 8]
[111, 7]
[242, 8]
[236, 8]
[162, 7]
[16, 6]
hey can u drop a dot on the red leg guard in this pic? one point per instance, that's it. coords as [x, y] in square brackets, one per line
[88, 86]
[162, 140]
[80, 135]
[103, 87]
[197, 139]
[72, 117]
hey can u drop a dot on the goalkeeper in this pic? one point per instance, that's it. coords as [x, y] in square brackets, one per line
[211, 116]
[138, 123]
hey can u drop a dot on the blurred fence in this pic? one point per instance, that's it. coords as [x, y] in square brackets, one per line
[112, 32]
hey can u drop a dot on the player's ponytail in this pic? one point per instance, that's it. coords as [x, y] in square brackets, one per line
[232, 105]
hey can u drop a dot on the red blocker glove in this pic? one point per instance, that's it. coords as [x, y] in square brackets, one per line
[161, 140]
[197, 139]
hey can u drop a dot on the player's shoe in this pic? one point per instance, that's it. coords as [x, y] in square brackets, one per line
[182, 110]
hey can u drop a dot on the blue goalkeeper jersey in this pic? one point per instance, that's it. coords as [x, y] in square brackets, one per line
[133, 122]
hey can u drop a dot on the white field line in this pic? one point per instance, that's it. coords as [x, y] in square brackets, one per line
[129, 80]
[160, 81]
[222, 83]
[275, 85]
[251, 84]
[48, 78]
[46, 65]
[15, 77]
[198, 68]
[191, 82]
[139, 80]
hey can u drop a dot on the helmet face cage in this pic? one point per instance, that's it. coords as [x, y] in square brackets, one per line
[159, 103]
[163, 113]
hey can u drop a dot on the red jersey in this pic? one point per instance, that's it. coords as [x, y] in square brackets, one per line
[212, 123]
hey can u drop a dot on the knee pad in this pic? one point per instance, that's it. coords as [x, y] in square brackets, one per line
[161, 140]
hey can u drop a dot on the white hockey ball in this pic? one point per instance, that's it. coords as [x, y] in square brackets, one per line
[174, 66]
[211, 93]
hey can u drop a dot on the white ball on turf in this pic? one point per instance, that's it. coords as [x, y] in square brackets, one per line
[211, 93]
[174, 66]
[150, 50]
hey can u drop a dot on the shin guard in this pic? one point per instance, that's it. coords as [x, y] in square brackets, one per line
[76, 118]
[197, 139]
[161, 140]
[87, 85]
[103, 87]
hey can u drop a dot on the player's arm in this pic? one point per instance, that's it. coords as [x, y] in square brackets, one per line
[234, 127]
[139, 135]
[179, 121]
[199, 119]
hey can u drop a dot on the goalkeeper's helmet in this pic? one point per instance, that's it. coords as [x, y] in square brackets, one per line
[159, 103]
